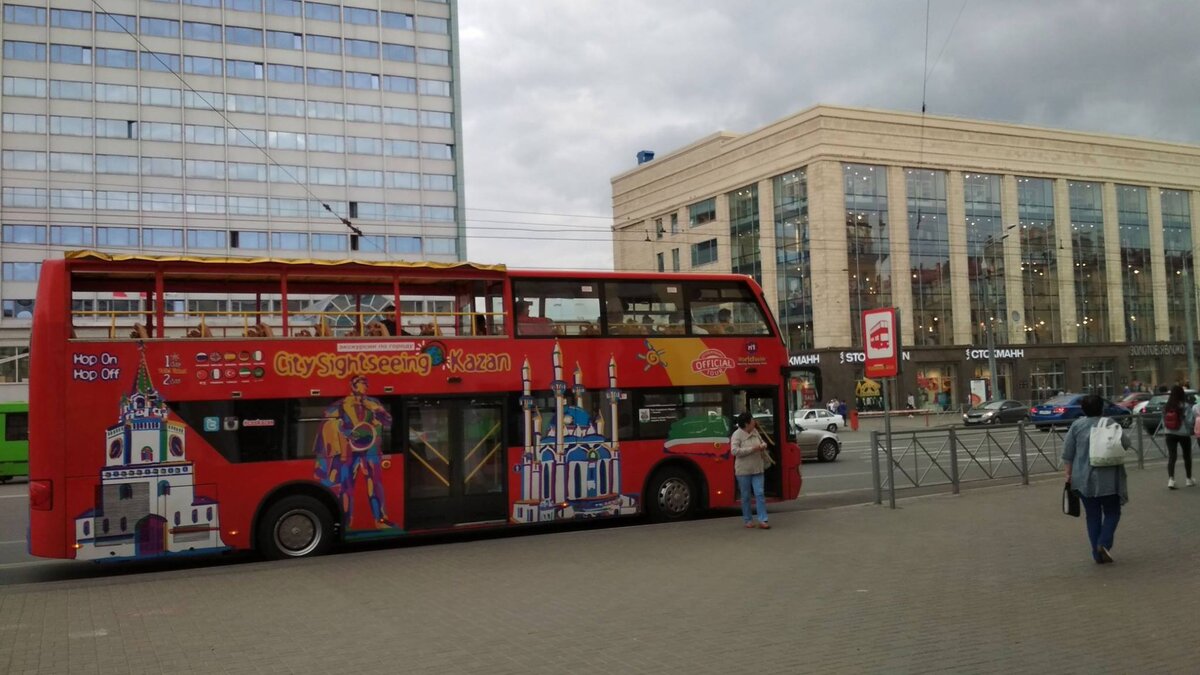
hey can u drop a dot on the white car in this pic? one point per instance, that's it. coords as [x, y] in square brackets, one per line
[818, 418]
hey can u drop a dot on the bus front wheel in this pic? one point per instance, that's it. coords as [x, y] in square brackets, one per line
[295, 527]
[672, 495]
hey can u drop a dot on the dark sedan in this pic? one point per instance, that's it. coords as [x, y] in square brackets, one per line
[1064, 409]
[996, 412]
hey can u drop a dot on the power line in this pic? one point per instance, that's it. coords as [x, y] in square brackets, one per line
[538, 213]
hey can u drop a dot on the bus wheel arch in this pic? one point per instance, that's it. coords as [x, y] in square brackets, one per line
[296, 520]
[675, 490]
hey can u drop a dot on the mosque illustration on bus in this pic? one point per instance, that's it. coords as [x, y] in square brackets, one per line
[147, 503]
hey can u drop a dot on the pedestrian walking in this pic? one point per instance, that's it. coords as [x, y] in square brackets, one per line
[750, 461]
[1179, 422]
[1102, 489]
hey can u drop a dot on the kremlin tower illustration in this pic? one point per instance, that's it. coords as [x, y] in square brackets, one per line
[146, 503]
[569, 469]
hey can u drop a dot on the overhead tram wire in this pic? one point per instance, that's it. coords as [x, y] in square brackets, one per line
[172, 71]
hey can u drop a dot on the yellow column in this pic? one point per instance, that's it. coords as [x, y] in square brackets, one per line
[902, 298]
[960, 285]
[1066, 261]
[1014, 291]
[829, 251]
[1112, 265]
[1158, 267]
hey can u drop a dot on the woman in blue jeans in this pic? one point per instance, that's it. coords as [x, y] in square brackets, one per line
[1102, 489]
[749, 463]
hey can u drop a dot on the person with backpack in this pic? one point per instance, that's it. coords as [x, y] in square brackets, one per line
[1093, 456]
[1179, 421]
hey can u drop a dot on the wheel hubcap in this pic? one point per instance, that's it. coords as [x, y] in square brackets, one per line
[297, 533]
[828, 451]
[675, 496]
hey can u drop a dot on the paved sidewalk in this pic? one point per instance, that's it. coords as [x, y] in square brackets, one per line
[994, 580]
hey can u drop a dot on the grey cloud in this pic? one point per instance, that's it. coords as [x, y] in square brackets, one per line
[559, 96]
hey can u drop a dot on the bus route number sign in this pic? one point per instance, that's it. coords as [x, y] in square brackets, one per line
[880, 348]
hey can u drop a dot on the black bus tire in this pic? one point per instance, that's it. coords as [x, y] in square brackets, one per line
[672, 494]
[298, 526]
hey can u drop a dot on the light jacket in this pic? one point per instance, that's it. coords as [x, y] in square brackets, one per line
[747, 455]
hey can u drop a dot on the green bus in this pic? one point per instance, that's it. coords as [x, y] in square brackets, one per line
[14, 440]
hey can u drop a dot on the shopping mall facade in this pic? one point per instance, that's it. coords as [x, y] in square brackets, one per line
[1070, 252]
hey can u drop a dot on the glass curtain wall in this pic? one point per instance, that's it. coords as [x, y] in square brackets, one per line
[868, 261]
[985, 258]
[1177, 253]
[1039, 260]
[1091, 282]
[794, 264]
[1133, 222]
[929, 257]
[745, 257]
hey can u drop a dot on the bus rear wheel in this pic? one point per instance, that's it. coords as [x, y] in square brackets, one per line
[671, 495]
[295, 527]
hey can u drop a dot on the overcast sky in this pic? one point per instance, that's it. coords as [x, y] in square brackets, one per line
[558, 96]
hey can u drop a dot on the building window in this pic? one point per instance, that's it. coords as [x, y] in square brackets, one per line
[30, 16]
[985, 258]
[929, 257]
[245, 239]
[208, 32]
[744, 255]
[284, 8]
[21, 271]
[125, 491]
[437, 151]
[674, 260]
[118, 237]
[159, 27]
[284, 40]
[868, 260]
[793, 251]
[71, 235]
[404, 244]
[702, 212]
[24, 234]
[434, 88]
[397, 20]
[360, 16]
[328, 242]
[24, 51]
[1097, 377]
[289, 241]
[238, 35]
[1133, 225]
[430, 24]
[1039, 260]
[362, 80]
[247, 70]
[433, 57]
[437, 182]
[704, 252]
[116, 23]
[203, 65]
[1087, 247]
[443, 120]
[323, 77]
[324, 44]
[71, 18]
[441, 246]
[403, 53]
[244, 5]
[28, 86]
[438, 213]
[158, 237]
[1177, 256]
[167, 63]
[116, 58]
[71, 54]
[662, 266]
[206, 239]
[18, 309]
[368, 49]
[399, 84]
[321, 11]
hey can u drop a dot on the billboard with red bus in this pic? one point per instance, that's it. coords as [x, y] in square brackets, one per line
[288, 405]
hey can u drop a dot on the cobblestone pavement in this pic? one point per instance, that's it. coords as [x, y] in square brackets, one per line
[992, 580]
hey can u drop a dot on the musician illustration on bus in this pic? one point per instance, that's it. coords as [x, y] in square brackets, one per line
[350, 444]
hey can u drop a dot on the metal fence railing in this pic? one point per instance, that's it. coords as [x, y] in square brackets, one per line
[931, 457]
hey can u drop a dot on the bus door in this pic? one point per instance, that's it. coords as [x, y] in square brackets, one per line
[454, 462]
[761, 403]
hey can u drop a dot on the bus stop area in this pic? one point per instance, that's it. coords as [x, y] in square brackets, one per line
[993, 579]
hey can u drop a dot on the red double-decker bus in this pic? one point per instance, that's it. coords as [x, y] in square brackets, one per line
[186, 405]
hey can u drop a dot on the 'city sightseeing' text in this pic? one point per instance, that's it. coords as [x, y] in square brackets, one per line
[288, 364]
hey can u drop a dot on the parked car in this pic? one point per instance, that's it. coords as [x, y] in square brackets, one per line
[996, 412]
[818, 444]
[1064, 409]
[817, 418]
[1130, 400]
[1152, 411]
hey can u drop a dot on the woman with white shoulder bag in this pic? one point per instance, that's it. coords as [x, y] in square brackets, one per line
[1094, 459]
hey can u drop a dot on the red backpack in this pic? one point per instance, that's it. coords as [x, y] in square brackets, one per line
[1172, 419]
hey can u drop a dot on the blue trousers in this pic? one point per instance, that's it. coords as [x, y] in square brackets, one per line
[1103, 514]
[746, 485]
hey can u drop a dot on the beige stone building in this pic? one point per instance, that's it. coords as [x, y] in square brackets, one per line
[1071, 252]
[223, 127]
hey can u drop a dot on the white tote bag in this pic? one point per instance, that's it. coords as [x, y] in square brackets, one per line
[1104, 444]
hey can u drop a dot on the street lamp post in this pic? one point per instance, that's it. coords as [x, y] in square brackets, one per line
[1188, 299]
[991, 324]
